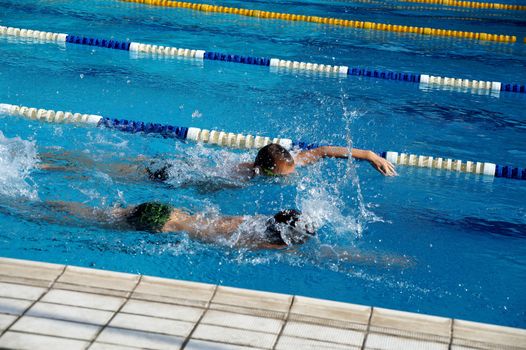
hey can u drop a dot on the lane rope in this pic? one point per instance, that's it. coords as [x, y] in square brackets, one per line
[237, 140]
[471, 4]
[438, 32]
[275, 64]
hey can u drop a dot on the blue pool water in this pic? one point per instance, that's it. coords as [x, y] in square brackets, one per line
[465, 234]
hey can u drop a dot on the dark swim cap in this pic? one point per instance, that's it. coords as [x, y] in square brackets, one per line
[269, 156]
[150, 216]
[283, 228]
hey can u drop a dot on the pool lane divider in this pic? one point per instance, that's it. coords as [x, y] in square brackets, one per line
[219, 138]
[332, 21]
[471, 4]
[242, 141]
[273, 63]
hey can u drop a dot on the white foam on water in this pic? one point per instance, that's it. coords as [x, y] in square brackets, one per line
[113, 140]
[17, 158]
[365, 215]
[206, 169]
[335, 199]
[321, 203]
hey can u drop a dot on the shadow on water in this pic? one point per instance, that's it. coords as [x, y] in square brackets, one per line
[471, 225]
[435, 111]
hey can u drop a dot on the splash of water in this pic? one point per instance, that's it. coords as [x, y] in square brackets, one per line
[336, 200]
[321, 202]
[17, 158]
[365, 215]
[206, 169]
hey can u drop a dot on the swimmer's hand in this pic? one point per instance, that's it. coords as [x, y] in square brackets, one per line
[382, 165]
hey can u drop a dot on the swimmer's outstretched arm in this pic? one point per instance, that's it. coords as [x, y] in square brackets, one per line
[76, 161]
[73, 159]
[78, 210]
[382, 165]
[108, 217]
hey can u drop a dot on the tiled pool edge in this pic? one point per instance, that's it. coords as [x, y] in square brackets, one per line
[46, 305]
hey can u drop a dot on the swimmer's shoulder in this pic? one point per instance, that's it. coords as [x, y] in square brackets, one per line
[245, 170]
[179, 220]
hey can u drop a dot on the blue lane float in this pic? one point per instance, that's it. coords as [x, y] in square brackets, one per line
[109, 44]
[217, 56]
[275, 64]
[229, 139]
[166, 131]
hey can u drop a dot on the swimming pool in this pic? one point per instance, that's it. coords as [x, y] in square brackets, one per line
[464, 232]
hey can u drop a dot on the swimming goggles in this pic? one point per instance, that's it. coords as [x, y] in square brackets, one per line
[269, 172]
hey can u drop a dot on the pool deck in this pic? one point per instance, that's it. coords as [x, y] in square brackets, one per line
[48, 306]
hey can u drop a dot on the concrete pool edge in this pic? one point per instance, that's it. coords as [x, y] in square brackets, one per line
[46, 305]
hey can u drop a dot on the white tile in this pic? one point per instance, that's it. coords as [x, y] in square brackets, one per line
[205, 345]
[15, 340]
[92, 290]
[384, 320]
[252, 299]
[89, 300]
[323, 333]
[105, 346]
[389, 342]
[293, 343]
[29, 269]
[6, 320]
[179, 292]
[227, 319]
[344, 312]
[152, 324]
[139, 339]
[59, 328]
[163, 310]
[70, 313]
[234, 336]
[465, 332]
[99, 278]
[19, 291]
[14, 306]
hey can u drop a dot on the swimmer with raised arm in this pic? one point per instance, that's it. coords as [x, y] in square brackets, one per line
[271, 160]
[275, 160]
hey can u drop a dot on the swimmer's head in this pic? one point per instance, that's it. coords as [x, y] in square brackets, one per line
[274, 160]
[288, 228]
[150, 216]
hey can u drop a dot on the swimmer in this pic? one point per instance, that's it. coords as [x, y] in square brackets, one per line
[271, 160]
[286, 228]
[275, 160]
